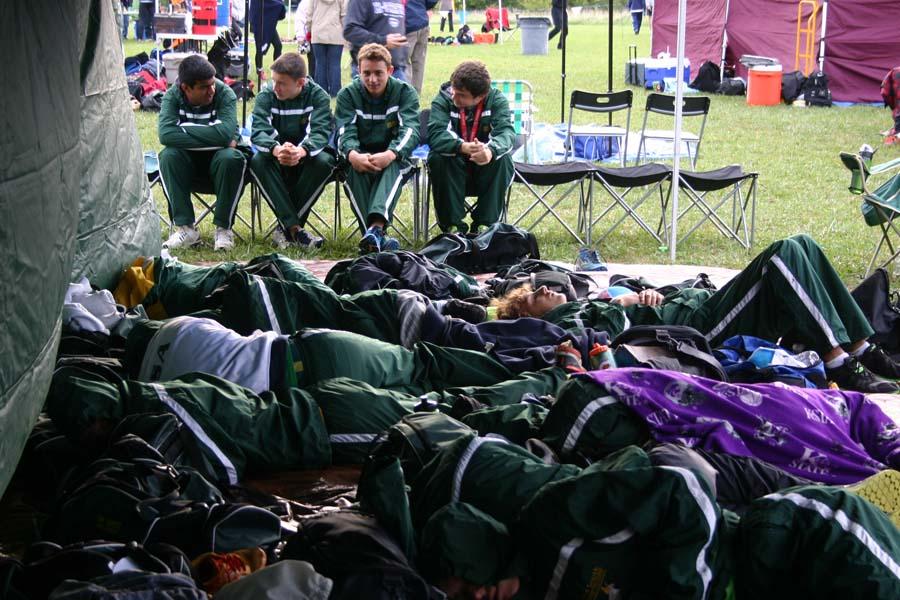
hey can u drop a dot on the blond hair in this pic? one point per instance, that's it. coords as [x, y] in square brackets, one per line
[374, 52]
[512, 304]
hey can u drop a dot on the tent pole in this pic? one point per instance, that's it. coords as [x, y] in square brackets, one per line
[500, 8]
[822, 39]
[562, 95]
[609, 60]
[246, 58]
[679, 96]
[260, 26]
[724, 40]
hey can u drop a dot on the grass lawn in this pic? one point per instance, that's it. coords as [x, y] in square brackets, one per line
[802, 185]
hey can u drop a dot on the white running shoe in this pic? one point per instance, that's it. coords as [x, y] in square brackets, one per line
[224, 239]
[279, 240]
[184, 236]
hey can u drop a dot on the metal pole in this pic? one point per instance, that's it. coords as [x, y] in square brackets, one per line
[246, 59]
[562, 95]
[679, 95]
[822, 40]
[609, 84]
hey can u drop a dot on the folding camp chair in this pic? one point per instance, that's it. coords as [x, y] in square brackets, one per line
[520, 96]
[696, 106]
[623, 184]
[151, 170]
[256, 209]
[573, 175]
[880, 207]
[602, 104]
[736, 186]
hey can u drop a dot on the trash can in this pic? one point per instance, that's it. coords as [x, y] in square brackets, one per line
[534, 34]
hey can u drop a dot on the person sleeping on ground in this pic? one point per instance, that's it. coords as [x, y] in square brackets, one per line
[631, 526]
[789, 292]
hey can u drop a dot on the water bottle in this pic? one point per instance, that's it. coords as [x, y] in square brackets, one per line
[601, 358]
[858, 180]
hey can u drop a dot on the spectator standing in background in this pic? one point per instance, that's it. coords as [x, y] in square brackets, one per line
[417, 31]
[560, 22]
[636, 7]
[264, 17]
[325, 20]
[238, 13]
[143, 29]
[125, 7]
[378, 22]
[447, 14]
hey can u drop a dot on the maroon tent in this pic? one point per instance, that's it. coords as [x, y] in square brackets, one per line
[861, 39]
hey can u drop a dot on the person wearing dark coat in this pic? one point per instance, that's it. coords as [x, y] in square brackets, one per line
[560, 22]
[264, 17]
[636, 7]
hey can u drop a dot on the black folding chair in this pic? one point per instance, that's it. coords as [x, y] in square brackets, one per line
[692, 106]
[738, 196]
[601, 104]
[573, 175]
[623, 184]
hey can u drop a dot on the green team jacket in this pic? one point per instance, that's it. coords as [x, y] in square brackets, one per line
[209, 127]
[303, 121]
[495, 126]
[367, 124]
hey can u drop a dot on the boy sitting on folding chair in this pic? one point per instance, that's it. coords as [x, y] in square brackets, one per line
[378, 127]
[471, 137]
[198, 127]
[291, 125]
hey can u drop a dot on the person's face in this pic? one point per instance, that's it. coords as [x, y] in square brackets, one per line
[541, 300]
[463, 98]
[286, 87]
[201, 93]
[374, 75]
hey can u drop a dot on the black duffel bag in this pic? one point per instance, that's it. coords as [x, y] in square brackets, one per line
[667, 347]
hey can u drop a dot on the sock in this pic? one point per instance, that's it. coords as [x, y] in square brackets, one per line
[834, 363]
[859, 351]
[569, 358]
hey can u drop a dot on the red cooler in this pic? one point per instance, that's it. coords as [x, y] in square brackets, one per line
[204, 17]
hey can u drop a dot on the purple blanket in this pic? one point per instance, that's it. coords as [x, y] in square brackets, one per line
[831, 436]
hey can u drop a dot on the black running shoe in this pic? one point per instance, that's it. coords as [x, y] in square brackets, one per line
[853, 375]
[304, 239]
[879, 362]
[466, 311]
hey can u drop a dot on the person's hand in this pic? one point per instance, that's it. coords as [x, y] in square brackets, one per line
[284, 154]
[394, 40]
[300, 153]
[361, 163]
[382, 159]
[470, 148]
[232, 144]
[648, 297]
[483, 156]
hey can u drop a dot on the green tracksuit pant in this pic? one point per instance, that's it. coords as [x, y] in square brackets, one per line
[816, 542]
[292, 191]
[321, 354]
[375, 195]
[453, 178]
[186, 170]
[790, 290]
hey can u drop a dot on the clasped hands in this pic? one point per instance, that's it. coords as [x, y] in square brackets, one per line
[476, 151]
[288, 154]
[364, 162]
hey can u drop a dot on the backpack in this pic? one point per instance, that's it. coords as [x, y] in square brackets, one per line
[748, 359]
[464, 35]
[667, 347]
[732, 86]
[708, 78]
[816, 92]
[497, 246]
[538, 273]
[360, 557]
[882, 309]
[792, 86]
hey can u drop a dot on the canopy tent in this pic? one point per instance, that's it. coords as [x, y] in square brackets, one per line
[72, 188]
[860, 41]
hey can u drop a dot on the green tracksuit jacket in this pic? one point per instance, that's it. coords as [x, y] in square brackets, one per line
[368, 125]
[303, 121]
[453, 176]
[196, 140]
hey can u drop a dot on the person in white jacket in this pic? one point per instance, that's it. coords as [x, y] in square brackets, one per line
[325, 21]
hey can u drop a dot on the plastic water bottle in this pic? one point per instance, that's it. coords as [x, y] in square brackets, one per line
[601, 358]
[857, 181]
[866, 152]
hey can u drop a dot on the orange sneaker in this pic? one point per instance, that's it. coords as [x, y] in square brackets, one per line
[214, 570]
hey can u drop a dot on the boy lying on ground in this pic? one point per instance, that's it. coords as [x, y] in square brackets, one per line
[789, 292]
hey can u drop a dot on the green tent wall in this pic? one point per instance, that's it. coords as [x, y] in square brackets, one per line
[73, 195]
